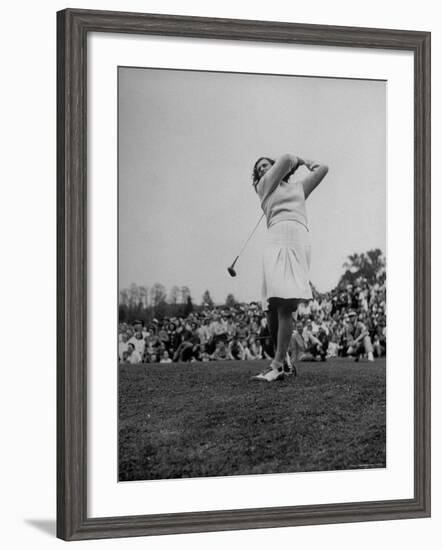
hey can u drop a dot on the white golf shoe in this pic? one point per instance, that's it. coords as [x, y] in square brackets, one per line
[270, 375]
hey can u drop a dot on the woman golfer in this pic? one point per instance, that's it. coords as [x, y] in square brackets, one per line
[286, 258]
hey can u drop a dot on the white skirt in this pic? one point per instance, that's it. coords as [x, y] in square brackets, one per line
[286, 262]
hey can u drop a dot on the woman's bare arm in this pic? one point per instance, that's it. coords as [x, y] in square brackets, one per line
[317, 173]
[273, 177]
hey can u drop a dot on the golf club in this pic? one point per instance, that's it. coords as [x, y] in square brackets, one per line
[231, 269]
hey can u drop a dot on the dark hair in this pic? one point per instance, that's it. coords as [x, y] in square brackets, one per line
[255, 175]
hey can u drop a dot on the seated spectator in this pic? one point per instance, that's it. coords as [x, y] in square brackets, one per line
[322, 336]
[165, 358]
[138, 341]
[137, 326]
[255, 348]
[242, 331]
[254, 325]
[221, 352]
[204, 355]
[265, 340]
[320, 325]
[379, 340]
[378, 350]
[248, 355]
[313, 344]
[122, 328]
[163, 336]
[145, 332]
[218, 328]
[203, 332]
[230, 327]
[332, 350]
[360, 341]
[161, 349]
[297, 348]
[122, 347]
[303, 309]
[174, 338]
[189, 347]
[132, 355]
[333, 345]
[235, 350]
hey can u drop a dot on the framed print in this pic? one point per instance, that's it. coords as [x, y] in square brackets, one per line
[243, 217]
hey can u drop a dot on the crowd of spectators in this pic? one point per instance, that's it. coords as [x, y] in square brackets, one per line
[348, 321]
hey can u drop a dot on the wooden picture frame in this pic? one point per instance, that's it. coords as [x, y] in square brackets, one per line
[73, 27]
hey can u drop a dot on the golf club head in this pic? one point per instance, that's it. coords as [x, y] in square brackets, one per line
[231, 269]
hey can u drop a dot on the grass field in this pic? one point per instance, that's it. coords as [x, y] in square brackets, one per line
[209, 419]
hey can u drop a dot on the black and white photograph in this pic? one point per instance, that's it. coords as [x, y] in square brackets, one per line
[252, 274]
[214, 214]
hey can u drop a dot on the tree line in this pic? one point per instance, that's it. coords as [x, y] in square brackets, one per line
[368, 265]
[145, 304]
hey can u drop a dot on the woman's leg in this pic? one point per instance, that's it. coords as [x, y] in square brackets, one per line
[285, 330]
[282, 318]
[272, 323]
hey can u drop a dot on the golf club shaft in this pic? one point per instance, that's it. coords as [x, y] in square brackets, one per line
[250, 236]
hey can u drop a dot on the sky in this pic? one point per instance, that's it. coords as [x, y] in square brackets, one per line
[187, 144]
